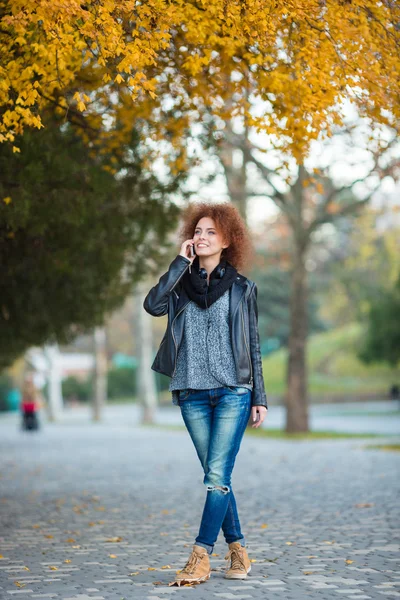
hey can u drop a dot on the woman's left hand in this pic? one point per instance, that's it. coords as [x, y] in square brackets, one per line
[258, 414]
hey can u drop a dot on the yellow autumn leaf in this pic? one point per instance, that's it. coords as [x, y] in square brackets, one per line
[115, 539]
[7, 200]
[71, 541]
[253, 560]
[52, 568]
[26, 568]
[67, 560]
[166, 567]
[119, 78]
[308, 572]
[16, 149]
[135, 573]
[50, 537]
[112, 555]
[289, 543]
[348, 561]
[20, 585]
[151, 569]
[264, 526]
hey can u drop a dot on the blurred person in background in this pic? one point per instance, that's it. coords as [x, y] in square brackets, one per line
[211, 351]
[30, 404]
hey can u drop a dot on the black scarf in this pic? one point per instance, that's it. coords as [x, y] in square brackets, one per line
[197, 288]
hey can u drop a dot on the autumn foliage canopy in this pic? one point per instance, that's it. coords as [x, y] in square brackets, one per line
[286, 65]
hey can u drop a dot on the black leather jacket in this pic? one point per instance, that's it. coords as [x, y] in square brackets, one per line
[168, 296]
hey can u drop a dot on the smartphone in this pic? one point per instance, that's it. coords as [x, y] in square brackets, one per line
[192, 251]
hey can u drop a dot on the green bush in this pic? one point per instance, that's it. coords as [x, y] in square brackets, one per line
[6, 385]
[75, 388]
[122, 382]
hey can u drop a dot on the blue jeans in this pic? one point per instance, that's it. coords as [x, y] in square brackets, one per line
[216, 420]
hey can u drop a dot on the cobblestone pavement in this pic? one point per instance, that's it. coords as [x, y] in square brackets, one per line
[110, 512]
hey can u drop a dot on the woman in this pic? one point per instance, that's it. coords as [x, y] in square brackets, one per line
[211, 351]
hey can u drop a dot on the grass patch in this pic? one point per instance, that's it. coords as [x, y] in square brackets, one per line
[386, 447]
[333, 366]
[281, 434]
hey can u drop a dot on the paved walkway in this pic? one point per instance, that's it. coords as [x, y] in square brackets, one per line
[110, 512]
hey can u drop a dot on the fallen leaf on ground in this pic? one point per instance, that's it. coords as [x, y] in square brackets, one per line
[308, 572]
[52, 568]
[348, 562]
[151, 569]
[50, 537]
[18, 584]
[135, 573]
[264, 526]
[26, 568]
[166, 567]
[364, 504]
[115, 539]
[253, 560]
[112, 556]
[71, 541]
[68, 560]
[184, 583]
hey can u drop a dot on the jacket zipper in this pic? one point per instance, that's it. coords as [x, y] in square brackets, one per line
[247, 348]
[180, 277]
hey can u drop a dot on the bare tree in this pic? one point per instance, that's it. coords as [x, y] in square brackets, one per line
[147, 392]
[308, 200]
[100, 373]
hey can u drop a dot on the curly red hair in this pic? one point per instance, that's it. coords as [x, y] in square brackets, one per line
[228, 222]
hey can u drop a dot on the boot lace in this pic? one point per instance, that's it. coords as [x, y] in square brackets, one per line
[192, 563]
[237, 560]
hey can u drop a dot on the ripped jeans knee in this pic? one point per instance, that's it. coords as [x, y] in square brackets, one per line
[225, 489]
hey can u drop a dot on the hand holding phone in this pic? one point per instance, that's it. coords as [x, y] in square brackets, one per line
[187, 250]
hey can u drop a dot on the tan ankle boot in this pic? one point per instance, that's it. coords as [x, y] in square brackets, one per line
[197, 568]
[240, 562]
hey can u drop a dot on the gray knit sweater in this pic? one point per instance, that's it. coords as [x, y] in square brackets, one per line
[205, 359]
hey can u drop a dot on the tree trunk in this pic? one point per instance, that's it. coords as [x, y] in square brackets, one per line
[147, 392]
[296, 396]
[100, 373]
[234, 165]
[55, 401]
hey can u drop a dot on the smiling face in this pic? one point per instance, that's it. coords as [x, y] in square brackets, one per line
[208, 241]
